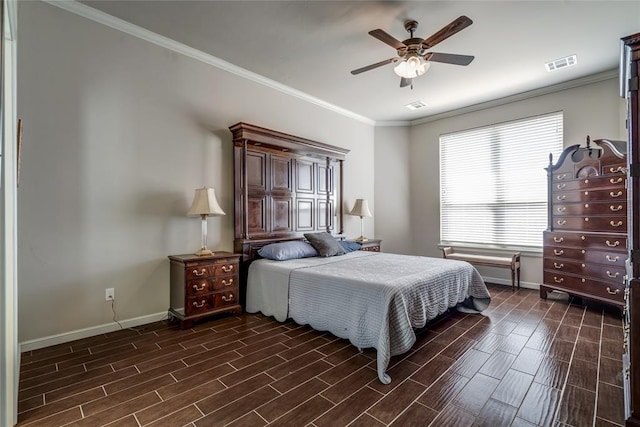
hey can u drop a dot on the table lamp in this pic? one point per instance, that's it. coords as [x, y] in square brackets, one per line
[205, 205]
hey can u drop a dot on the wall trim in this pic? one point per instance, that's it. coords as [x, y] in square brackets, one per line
[526, 285]
[118, 24]
[90, 332]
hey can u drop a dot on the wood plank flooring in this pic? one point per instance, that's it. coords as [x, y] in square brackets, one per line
[524, 362]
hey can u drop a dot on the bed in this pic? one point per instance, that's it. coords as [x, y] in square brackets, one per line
[288, 188]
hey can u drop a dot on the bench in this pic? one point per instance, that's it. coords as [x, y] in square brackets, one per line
[512, 262]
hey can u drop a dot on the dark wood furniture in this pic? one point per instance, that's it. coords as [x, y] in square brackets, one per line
[585, 246]
[630, 66]
[511, 262]
[371, 245]
[285, 186]
[204, 286]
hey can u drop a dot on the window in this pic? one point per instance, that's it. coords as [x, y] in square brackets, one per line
[493, 182]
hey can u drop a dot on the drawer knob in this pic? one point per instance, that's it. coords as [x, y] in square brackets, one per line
[615, 180]
[199, 288]
[227, 268]
[610, 274]
[561, 197]
[587, 219]
[562, 209]
[560, 280]
[614, 244]
[583, 238]
[615, 208]
[202, 272]
[227, 298]
[229, 283]
[563, 176]
[202, 303]
[618, 169]
[562, 221]
[586, 205]
[558, 252]
[615, 292]
[616, 224]
[558, 239]
[561, 186]
[612, 259]
[586, 193]
[556, 265]
[618, 194]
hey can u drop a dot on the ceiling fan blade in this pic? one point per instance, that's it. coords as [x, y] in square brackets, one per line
[449, 58]
[457, 25]
[376, 65]
[387, 38]
[405, 82]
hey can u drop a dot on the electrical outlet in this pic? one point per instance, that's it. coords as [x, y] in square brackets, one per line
[109, 294]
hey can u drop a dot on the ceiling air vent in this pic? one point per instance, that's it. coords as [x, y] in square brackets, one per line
[416, 105]
[561, 63]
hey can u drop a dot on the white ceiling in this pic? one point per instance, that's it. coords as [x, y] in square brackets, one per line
[311, 46]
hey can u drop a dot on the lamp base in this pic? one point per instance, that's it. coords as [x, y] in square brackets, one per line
[204, 252]
[362, 239]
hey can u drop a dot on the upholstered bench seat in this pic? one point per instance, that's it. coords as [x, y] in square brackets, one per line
[512, 262]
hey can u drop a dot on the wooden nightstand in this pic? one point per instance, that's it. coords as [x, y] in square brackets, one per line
[371, 245]
[204, 286]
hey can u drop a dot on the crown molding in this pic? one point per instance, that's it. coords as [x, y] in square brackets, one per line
[118, 24]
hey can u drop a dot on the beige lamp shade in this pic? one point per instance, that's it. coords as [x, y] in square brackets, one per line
[205, 203]
[361, 208]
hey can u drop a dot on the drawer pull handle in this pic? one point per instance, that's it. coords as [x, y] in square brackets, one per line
[199, 288]
[561, 197]
[563, 221]
[558, 239]
[615, 180]
[227, 298]
[614, 259]
[615, 208]
[563, 176]
[562, 209]
[202, 272]
[229, 283]
[556, 265]
[616, 224]
[558, 252]
[561, 186]
[618, 169]
[202, 303]
[227, 268]
[616, 292]
[614, 244]
[612, 275]
[618, 194]
[560, 280]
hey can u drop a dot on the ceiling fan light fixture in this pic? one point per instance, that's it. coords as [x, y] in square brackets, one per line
[412, 67]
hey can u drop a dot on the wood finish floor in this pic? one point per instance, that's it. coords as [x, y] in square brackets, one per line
[524, 362]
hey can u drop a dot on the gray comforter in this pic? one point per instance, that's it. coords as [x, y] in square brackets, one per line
[372, 299]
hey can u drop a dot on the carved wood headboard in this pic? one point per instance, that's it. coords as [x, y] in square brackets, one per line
[285, 186]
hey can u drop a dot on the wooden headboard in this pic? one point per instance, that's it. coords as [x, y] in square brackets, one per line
[285, 186]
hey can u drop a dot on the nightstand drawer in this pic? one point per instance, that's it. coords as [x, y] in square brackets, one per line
[198, 271]
[223, 299]
[225, 268]
[199, 287]
[199, 304]
[224, 283]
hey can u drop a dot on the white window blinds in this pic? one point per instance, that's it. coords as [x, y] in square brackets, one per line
[493, 185]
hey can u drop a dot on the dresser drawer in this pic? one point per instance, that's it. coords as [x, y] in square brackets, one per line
[225, 268]
[223, 299]
[198, 271]
[224, 282]
[609, 223]
[592, 183]
[616, 167]
[606, 273]
[609, 242]
[608, 195]
[593, 208]
[198, 287]
[583, 286]
[199, 304]
[587, 255]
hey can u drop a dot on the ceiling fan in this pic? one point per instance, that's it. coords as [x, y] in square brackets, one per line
[413, 58]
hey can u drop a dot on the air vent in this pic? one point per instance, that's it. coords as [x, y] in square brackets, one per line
[561, 63]
[416, 105]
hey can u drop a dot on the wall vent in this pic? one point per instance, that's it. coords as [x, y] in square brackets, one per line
[415, 105]
[567, 61]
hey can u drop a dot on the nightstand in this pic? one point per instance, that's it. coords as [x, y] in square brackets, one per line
[371, 245]
[204, 286]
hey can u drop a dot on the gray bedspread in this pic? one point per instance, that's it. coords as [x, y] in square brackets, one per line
[372, 299]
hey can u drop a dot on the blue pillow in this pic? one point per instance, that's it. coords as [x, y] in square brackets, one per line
[287, 250]
[350, 246]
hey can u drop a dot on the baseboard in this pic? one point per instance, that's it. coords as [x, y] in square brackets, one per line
[90, 332]
[526, 285]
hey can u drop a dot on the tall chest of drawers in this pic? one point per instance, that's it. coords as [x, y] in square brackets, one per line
[203, 286]
[585, 246]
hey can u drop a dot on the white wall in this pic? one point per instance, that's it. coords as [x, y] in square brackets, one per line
[118, 134]
[392, 189]
[593, 109]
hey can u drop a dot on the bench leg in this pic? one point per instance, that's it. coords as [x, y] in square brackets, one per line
[513, 286]
[518, 276]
